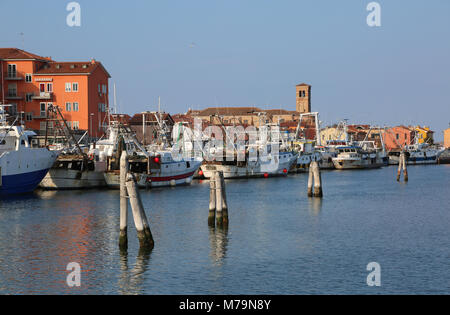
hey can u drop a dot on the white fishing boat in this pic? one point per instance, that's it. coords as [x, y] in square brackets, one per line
[22, 166]
[354, 157]
[418, 154]
[271, 164]
[153, 166]
[158, 169]
[75, 168]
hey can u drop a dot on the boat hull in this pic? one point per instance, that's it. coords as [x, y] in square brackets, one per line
[22, 171]
[64, 179]
[251, 170]
[351, 164]
[21, 183]
[170, 174]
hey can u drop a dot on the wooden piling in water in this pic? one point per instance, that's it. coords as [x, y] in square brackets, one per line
[400, 163]
[224, 201]
[123, 237]
[219, 200]
[402, 166]
[310, 181]
[212, 200]
[405, 169]
[317, 180]
[140, 219]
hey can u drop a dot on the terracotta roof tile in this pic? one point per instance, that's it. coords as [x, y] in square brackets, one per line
[16, 54]
[70, 67]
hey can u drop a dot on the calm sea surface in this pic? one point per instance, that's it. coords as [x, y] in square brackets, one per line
[278, 242]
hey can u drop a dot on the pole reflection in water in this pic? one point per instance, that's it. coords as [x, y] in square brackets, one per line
[131, 281]
[218, 238]
[315, 206]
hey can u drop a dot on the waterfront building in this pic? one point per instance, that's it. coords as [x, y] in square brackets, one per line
[424, 134]
[447, 138]
[252, 115]
[397, 137]
[31, 83]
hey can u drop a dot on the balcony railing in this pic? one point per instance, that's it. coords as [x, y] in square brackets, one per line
[40, 115]
[13, 76]
[13, 95]
[43, 96]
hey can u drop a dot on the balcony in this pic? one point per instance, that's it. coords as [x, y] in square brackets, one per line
[43, 96]
[12, 76]
[13, 95]
[41, 115]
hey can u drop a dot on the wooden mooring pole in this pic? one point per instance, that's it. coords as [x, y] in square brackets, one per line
[219, 200]
[123, 237]
[212, 200]
[315, 178]
[140, 219]
[224, 201]
[218, 205]
[402, 166]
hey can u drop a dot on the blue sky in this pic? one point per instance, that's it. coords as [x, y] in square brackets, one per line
[201, 53]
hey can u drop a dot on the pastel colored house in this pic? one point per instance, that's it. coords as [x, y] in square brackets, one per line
[30, 83]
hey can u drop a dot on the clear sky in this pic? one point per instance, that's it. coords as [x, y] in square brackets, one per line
[200, 53]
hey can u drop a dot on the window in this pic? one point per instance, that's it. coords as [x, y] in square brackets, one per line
[75, 107]
[68, 87]
[397, 136]
[68, 107]
[49, 87]
[104, 88]
[42, 87]
[28, 78]
[101, 108]
[43, 109]
[99, 88]
[69, 124]
[12, 90]
[75, 125]
[29, 116]
[29, 97]
[75, 87]
[12, 71]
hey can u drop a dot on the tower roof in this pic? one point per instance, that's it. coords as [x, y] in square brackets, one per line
[303, 84]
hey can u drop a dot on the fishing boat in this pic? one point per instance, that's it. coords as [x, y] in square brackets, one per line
[153, 165]
[22, 165]
[418, 154]
[75, 168]
[354, 157]
[271, 164]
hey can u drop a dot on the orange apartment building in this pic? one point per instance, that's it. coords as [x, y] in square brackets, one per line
[30, 83]
[396, 138]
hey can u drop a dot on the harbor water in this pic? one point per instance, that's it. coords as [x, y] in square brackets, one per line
[279, 241]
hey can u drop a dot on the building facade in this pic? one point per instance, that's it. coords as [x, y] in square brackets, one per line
[447, 138]
[31, 83]
[303, 98]
[396, 138]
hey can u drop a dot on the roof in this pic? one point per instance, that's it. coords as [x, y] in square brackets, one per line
[281, 112]
[84, 68]
[150, 117]
[19, 54]
[303, 84]
[233, 111]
